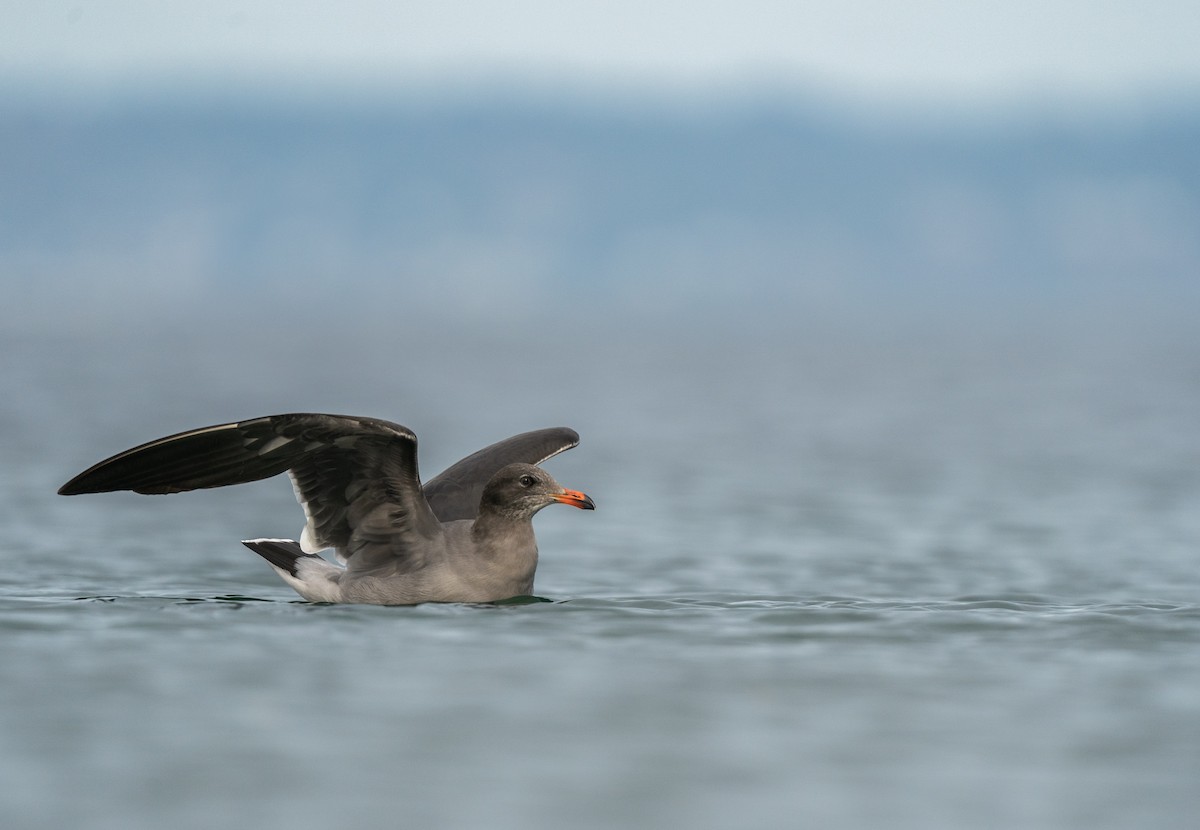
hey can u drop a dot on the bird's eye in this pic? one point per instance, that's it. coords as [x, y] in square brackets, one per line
[526, 480]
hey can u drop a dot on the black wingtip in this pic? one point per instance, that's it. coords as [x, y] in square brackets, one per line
[78, 486]
[87, 482]
[214, 456]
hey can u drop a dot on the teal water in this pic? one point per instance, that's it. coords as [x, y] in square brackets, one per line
[932, 582]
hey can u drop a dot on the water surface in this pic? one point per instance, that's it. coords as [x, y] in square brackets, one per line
[921, 582]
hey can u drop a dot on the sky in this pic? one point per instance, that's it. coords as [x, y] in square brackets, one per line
[980, 52]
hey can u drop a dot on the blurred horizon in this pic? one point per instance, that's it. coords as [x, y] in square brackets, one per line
[491, 204]
[479, 163]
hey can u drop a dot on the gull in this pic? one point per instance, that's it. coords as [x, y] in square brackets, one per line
[465, 536]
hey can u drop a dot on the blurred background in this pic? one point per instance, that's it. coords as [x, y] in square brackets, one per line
[489, 163]
[879, 322]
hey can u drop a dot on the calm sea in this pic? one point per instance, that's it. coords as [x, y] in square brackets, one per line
[929, 577]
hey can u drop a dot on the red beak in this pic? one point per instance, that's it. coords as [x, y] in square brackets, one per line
[575, 499]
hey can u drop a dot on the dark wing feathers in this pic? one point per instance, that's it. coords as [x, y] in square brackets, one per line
[357, 478]
[362, 495]
[455, 493]
[208, 457]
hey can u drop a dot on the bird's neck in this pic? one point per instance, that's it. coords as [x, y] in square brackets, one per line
[493, 528]
[506, 544]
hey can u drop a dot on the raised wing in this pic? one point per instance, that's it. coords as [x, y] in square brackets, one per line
[356, 478]
[455, 493]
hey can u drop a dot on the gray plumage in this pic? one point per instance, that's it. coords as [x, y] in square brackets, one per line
[465, 536]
